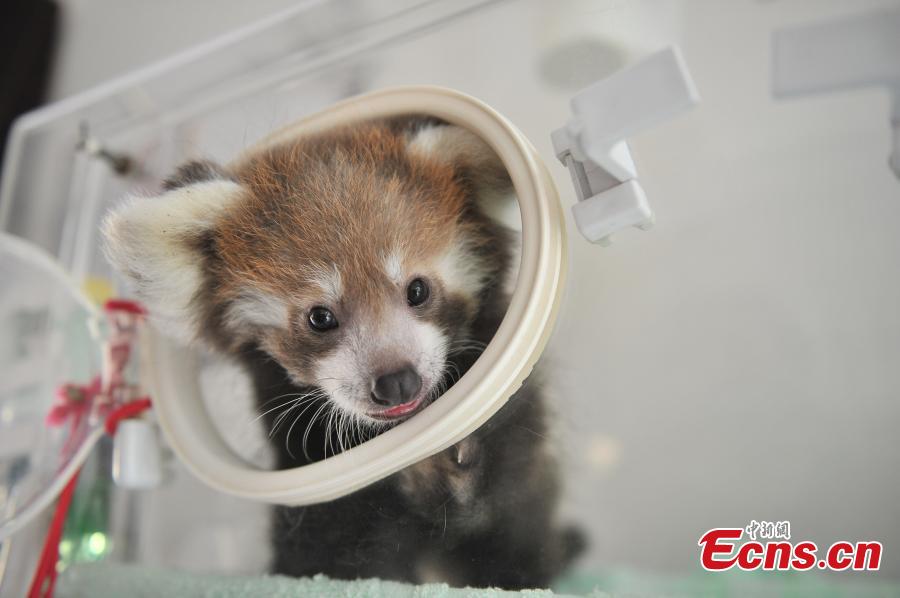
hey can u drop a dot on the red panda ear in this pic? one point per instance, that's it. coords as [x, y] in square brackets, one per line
[156, 242]
[195, 171]
[474, 160]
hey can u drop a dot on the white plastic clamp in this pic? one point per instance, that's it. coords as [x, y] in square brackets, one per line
[593, 143]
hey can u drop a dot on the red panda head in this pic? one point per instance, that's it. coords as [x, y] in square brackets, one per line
[358, 259]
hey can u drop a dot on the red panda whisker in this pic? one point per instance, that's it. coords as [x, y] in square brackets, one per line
[299, 397]
[283, 416]
[351, 418]
[458, 347]
[287, 438]
[275, 408]
[308, 428]
[308, 399]
[287, 394]
[336, 435]
[328, 422]
[280, 420]
[338, 431]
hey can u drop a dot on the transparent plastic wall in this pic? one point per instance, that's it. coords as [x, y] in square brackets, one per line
[737, 363]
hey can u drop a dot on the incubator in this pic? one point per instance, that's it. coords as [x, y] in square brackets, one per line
[742, 328]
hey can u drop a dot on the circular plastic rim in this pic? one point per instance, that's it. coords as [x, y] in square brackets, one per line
[488, 384]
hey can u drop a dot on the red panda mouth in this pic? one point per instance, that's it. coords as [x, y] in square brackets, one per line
[399, 410]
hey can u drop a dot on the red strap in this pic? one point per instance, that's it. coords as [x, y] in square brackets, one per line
[45, 575]
[132, 307]
[129, 409]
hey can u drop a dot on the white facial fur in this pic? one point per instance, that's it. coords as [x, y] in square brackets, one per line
[255, 308]
[399, 339]
[330, 283]
[393, 267]
[460, 271]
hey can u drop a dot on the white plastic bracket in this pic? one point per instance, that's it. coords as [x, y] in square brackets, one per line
[850, 53]
[593, 143]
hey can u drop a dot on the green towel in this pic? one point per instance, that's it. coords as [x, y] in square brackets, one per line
[624, 581]
[103, 580]
[115, 581]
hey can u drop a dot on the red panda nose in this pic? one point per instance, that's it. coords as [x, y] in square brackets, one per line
[396, 388]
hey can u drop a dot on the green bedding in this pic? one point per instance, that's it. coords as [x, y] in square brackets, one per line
[104, 579]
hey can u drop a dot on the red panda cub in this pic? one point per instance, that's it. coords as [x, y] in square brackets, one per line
[355, 277]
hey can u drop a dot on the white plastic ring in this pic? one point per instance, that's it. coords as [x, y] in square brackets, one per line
[494, 377]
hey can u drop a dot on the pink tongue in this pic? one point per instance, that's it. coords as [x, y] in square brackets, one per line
[401, 409]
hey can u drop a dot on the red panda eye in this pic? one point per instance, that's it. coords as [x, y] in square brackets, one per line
[417, 292]
[321, 319]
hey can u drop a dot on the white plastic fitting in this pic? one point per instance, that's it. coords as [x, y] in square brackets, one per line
[850, 53]
[136, 455]
[593, 143]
